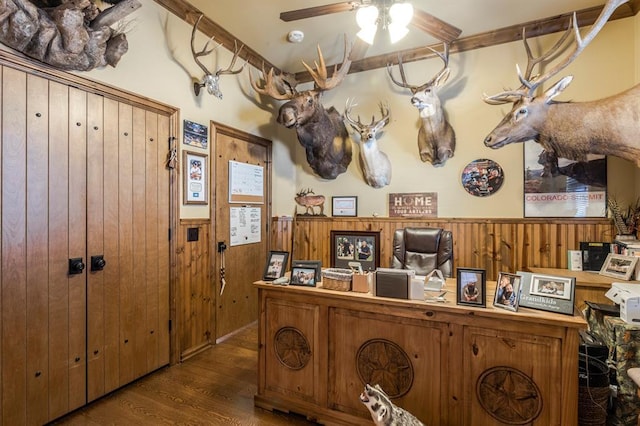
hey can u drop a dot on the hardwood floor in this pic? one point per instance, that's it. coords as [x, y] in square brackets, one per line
[215, 387]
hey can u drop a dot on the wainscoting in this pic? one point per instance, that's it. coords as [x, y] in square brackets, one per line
[496, 245]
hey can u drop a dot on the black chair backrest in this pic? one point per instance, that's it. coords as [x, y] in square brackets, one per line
[423, 250]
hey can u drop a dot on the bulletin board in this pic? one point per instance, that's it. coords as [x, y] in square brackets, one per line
[246, 183]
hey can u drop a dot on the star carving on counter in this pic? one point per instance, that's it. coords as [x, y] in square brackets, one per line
[385, 363]
[509, 396]
[292, 348]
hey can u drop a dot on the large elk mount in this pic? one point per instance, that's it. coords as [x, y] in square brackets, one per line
[66, 34]
[569, 130]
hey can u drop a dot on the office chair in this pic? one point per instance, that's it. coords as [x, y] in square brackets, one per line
[423, 250]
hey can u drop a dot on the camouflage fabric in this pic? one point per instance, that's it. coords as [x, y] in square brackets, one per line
[623, 341]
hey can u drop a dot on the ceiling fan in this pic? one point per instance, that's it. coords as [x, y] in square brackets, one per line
[422, 20]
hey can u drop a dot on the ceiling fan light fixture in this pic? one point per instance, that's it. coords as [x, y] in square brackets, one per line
[401, 14]
[397, 32]
[367, 16]
[368, 34]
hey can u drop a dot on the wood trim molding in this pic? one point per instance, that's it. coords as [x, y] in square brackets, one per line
[549, 25]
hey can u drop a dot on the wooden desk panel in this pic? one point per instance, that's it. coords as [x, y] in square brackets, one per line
[431, 356]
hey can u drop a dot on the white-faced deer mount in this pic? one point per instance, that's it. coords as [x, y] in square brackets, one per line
[320, 131]
[375, 165]
[570, 130]
[436, 138]
[212, 80]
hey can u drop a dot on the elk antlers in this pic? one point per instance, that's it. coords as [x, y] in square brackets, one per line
[211, 80]
[529, 83]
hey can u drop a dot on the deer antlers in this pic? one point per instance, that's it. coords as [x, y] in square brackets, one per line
[529, 83]
[375, 126]
[211, 80]
[444, 72]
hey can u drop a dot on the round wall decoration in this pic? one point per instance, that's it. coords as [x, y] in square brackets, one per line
[482, 177]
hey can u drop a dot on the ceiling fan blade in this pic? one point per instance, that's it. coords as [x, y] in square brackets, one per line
[436, 27]
[359, 49]
[310, 12]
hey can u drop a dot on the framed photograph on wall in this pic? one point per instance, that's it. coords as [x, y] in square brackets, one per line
[358, 246]
[547, 292]
[195, 172]
[471, 286]
[344, 206]
[507, 291]
[276, 265]
[619, 266]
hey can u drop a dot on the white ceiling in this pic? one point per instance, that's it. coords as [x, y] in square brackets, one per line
[257, 24]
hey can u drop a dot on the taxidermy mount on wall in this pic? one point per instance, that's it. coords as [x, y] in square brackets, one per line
[66, 34]
[320, 131]
[569, 130]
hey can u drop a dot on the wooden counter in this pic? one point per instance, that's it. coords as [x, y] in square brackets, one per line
[447, 364]
[590, 285]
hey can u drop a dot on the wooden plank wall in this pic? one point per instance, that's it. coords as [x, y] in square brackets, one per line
[496, 245]
[194, 291]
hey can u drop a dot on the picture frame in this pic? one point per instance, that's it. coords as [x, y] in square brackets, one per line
[547, 292]
[360, 246]
[276, 265]
[195, 134]
[507, 295]
[619, 266]
[195, 169]
[344, 206]
[468, 293]
[303, 276]
[315, 264]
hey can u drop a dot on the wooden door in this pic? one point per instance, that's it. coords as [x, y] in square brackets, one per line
[237, 305]
[80, 175]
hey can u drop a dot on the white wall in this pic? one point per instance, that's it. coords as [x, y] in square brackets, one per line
[608, 65]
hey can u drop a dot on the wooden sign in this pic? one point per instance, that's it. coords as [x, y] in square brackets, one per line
[417, 204]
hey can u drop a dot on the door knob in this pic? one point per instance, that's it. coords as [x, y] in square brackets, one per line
[98, 263]
[76, 266]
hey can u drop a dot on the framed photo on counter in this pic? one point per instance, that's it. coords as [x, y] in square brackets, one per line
[276, 265]
[471, 286]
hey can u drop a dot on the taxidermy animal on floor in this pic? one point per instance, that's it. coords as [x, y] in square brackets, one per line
[570, 130]
[375, 165]
[72, 35]
[436, 138]
[383, 411]
[309, 202]
[321, 131]
[211, 80]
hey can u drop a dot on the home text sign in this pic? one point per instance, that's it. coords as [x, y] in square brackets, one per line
[418, 204]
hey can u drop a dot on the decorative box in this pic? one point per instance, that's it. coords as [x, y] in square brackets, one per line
[337, 279]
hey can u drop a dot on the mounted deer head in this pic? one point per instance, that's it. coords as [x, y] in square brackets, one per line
[320, 131]
[211, 80]
[436, 138]
[375, 165]
[570, 130]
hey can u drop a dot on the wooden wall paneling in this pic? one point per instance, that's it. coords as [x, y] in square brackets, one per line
[111, 247]
[2, 302]
[14, 303]
[152, 242]
[126, 253]
[496, 245]
[166, 214]
[195, 292]
[58, 243]
[96, 325]
[139, 206]
[36, 233]
[77, 245]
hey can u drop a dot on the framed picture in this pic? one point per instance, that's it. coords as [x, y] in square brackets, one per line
[557, 187]
[619, 266]
[508, 291]
[471, 286]
[344, 206]
[482, 177]
[195, 134]
[195, 170]
[359, 246]
[303, 275]
[276, 265]
[547, 292]
[316, 265]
